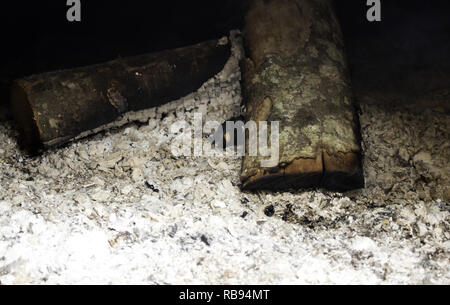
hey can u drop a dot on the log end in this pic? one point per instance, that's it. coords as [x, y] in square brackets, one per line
[342, 172]
[24, 116]
[336, 172]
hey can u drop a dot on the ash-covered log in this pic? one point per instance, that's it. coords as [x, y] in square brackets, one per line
[296, 73]
[54, 108]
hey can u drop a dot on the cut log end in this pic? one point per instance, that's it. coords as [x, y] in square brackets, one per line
[342, 171]
[25, 119]
[337, 172]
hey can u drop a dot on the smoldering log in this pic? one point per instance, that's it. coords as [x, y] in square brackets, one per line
[296, 73]
[54, 108]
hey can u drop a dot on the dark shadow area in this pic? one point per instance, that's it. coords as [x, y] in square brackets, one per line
[406, 56]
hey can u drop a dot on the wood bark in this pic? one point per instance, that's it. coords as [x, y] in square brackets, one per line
[296, 73]
[54, 108]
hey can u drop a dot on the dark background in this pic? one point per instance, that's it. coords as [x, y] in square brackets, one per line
[406, 56]
[411, 43]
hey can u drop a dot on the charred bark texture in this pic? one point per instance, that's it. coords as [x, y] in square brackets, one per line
[296, 73]
[54, 108]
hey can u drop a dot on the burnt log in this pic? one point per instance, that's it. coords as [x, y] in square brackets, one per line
[296, 73]
[56, 107]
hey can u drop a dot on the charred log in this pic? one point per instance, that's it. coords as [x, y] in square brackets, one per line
[296, 74]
